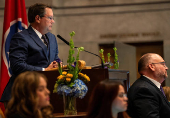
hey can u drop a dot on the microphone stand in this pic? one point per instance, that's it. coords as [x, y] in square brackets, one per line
[65, 41]
[95, 55]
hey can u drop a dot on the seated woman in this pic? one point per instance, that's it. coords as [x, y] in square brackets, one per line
[107, 100]
[30, 97]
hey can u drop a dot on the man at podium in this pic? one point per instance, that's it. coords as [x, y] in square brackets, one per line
[35, 48]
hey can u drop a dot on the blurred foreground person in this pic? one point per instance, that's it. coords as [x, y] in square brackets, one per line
[146, 96]
[108, 100]
[30, 97]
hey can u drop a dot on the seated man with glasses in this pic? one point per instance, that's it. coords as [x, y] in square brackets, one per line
[146, 97]
[35, 48]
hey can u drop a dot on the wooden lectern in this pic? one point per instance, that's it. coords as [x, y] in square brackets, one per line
[96, 75]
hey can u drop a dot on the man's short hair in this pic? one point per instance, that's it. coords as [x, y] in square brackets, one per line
[144, 61]
[36, 9]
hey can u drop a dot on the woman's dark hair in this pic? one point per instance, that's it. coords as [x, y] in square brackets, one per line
[102, 97]
[36, 9]
[24, 99]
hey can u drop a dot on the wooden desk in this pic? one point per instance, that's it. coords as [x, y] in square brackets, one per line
[56, 100]
[96, 75]
[61, 115]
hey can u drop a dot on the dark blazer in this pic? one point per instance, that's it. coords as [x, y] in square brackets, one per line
[28, 53]
[147, 101]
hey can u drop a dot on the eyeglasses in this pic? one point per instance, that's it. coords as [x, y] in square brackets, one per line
[122, 95]
[50, 18]
[162, 63]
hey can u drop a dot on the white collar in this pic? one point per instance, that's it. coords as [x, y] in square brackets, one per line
[154, 81]
[37, 32]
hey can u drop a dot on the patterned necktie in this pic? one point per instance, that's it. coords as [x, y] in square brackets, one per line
[162, 90]
[45, 40]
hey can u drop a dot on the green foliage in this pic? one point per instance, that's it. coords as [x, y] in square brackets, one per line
[116, 63]
[108, 56]
[59, 68]
[55, 87]
[101, 51]
[72, 34]
[71, 59]
[76, 70]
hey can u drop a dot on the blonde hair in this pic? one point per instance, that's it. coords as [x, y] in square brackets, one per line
[167, 92]
[24, 99]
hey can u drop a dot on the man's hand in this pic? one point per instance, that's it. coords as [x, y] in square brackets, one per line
[53, 64]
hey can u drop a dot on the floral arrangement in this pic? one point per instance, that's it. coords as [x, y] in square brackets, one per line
[71, 82]
[116, 61]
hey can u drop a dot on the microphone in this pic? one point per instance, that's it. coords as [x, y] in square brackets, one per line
[65, 41]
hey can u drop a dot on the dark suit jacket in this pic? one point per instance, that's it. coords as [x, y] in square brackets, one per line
[29, 53]
[147, 101]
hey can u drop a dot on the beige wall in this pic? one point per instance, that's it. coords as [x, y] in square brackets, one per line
[104, 21]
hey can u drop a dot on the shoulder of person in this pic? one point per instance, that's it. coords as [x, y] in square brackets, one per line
[50, 34]
[23, 33]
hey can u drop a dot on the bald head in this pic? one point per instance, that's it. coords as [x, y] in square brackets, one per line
[145, 60]
[153, 66]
